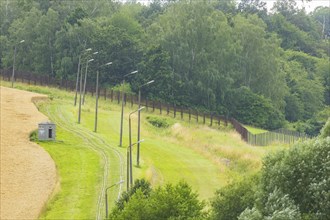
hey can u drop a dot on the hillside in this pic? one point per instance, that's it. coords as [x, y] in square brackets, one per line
[205, 157]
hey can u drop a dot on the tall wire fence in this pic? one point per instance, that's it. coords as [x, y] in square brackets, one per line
[191, 115]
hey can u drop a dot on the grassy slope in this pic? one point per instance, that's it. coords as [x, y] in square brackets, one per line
[204, 157]
[254, 130]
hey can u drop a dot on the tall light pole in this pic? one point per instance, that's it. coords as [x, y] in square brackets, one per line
[97, 94]
[130, 142]
[79, 112]
[122, 108]
[13, 74]
[129, 167]
[85, 80]
[77, 80]
[139, 118]
[106, 196]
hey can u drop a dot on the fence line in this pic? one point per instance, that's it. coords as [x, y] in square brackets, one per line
[210, 118]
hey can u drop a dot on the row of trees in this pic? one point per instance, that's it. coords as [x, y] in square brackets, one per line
[238, 60]
[293, 184]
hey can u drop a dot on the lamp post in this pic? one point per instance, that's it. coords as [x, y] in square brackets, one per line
[77, 80]
[106, 196]
[130, 141]
[97, 93]
[138, 135]
[85, 80]
[13, 74]
[122, 108]
[79, 112]
[129, 167]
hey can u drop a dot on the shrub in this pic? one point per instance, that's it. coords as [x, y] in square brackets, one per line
[325, 132]
[34, 136]
[158, 122]
[167, 202]
[234, 198]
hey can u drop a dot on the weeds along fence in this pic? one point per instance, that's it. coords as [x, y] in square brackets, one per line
[276, 136]
[206, 118]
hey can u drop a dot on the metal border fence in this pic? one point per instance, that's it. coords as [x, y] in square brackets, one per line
[210, 118]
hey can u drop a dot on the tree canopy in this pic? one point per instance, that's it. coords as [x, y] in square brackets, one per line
[201, 53]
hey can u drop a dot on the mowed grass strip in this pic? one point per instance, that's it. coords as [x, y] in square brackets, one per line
[206, 158]
[79, 174]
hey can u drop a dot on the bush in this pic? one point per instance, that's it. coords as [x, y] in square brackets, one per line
[325, 132]
[234, 198]
[302, 173]
[167, 202]
[34, 136]
[158, 122]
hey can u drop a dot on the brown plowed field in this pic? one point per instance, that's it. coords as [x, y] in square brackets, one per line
[28, 173]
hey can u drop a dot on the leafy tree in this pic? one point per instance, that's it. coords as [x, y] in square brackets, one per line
[254, 109]
[277, 207]
[325, 132]
[321, 14]
[167, 202]
[301, 173]
[139, 185]
[155, 65]
[230, 201]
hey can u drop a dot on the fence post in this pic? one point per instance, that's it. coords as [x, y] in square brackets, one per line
[219, 120]
[181, 113]
[211, 115]
[204, 118]
[146, 104]
[174, 107]
[131, 100]
[118, 97]
[160, 107]
[197, 117]
[189, 115]
[125, 96]
[153, 106]
[111, 95]
[105, 93]
[168, 109]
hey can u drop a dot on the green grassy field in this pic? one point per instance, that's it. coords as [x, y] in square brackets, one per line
[206, 158]
[254, 130]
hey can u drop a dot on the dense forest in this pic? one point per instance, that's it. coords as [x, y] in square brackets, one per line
[268, 68]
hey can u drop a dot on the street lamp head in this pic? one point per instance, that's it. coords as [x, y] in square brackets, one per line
[140, 108]
[147, 83]
[89, 49]
[22, 41]
[131, 73]
[108, 64]
[95, 52]
[90, 60]
[140, 141]
[150, 82]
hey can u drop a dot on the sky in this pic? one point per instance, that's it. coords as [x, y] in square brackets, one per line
[309, 6]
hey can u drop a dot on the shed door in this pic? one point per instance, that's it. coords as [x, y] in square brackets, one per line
[50, 133]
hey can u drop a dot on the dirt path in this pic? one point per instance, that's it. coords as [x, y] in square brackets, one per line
[28, 174]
